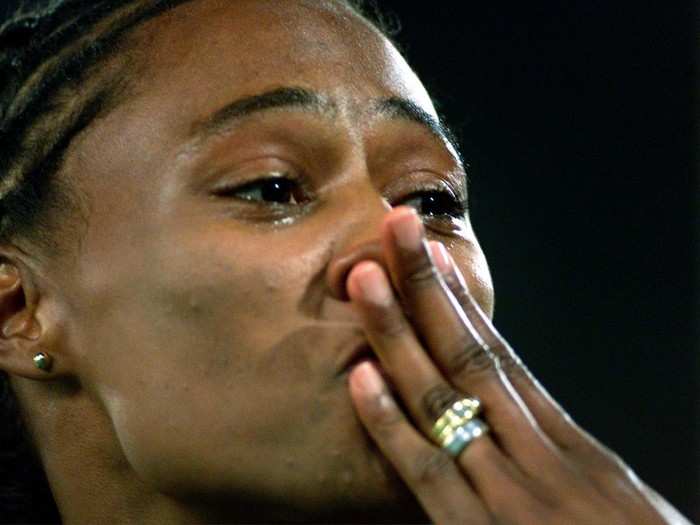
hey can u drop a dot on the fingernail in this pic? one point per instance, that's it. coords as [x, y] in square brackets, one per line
[370, 380]
[374, 285]
[407, 230]
[440, 256]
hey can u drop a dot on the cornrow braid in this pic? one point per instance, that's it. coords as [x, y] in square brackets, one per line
[51, 90]
[51, 95]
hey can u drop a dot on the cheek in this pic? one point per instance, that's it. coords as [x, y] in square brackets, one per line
[208, 366]
[472, 263]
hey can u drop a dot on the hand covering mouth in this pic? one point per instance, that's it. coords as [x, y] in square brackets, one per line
[361, 353]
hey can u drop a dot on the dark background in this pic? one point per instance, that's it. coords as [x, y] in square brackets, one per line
[578, 121]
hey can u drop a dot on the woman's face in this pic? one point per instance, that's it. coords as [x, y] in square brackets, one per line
[209, 328]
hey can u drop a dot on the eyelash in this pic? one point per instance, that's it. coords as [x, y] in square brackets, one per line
[456, 208]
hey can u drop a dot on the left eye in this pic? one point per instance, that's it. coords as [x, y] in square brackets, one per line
[275, 190]
[437, 203]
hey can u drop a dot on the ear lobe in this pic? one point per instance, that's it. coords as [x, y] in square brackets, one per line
[19, 329]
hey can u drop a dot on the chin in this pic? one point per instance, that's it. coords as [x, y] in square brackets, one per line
[382, 497]
[385, 501]
[375, 494]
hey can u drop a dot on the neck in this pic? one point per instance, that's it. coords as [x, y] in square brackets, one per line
[90, 479]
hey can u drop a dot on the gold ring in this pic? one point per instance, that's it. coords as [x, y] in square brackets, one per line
[459, 413]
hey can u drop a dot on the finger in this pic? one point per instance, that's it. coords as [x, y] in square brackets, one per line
[588, 459]
[428, 471]
[457, 348]
[423, 389]
[551, 417]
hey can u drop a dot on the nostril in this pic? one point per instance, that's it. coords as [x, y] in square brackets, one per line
[340, 266]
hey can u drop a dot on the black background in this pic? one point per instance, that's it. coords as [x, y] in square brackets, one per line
[578, 121]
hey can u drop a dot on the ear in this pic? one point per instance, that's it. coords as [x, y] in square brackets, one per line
[22, 336]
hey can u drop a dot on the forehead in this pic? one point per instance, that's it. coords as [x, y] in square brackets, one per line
[205, 53]
[192, 61]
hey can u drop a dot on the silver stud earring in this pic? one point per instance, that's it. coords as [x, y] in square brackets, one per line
[43, 361]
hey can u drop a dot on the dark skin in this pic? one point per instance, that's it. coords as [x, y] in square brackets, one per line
[200, 332]
[536, 465]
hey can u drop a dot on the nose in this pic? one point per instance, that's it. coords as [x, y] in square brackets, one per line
[359, 241]
[339, 268]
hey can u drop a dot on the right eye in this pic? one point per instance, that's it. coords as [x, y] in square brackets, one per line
[281, 190]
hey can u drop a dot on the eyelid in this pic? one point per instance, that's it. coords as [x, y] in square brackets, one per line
[440, 186]
[426, 181]
[258, 176]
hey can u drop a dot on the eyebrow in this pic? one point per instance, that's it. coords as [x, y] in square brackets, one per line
[396, 107]
[306, 100]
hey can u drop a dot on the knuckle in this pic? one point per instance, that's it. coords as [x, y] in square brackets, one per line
[510, 363]
[456, 286]
[459, 291]
[432, 465]
[389, 322]
[384, 416]
[438, 399]
[469, 359]
[422, 275]
[616, 476]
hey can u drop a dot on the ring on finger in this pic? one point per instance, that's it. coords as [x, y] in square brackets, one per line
[458, 426]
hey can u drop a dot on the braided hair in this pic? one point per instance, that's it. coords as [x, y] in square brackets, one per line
[56, 80]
